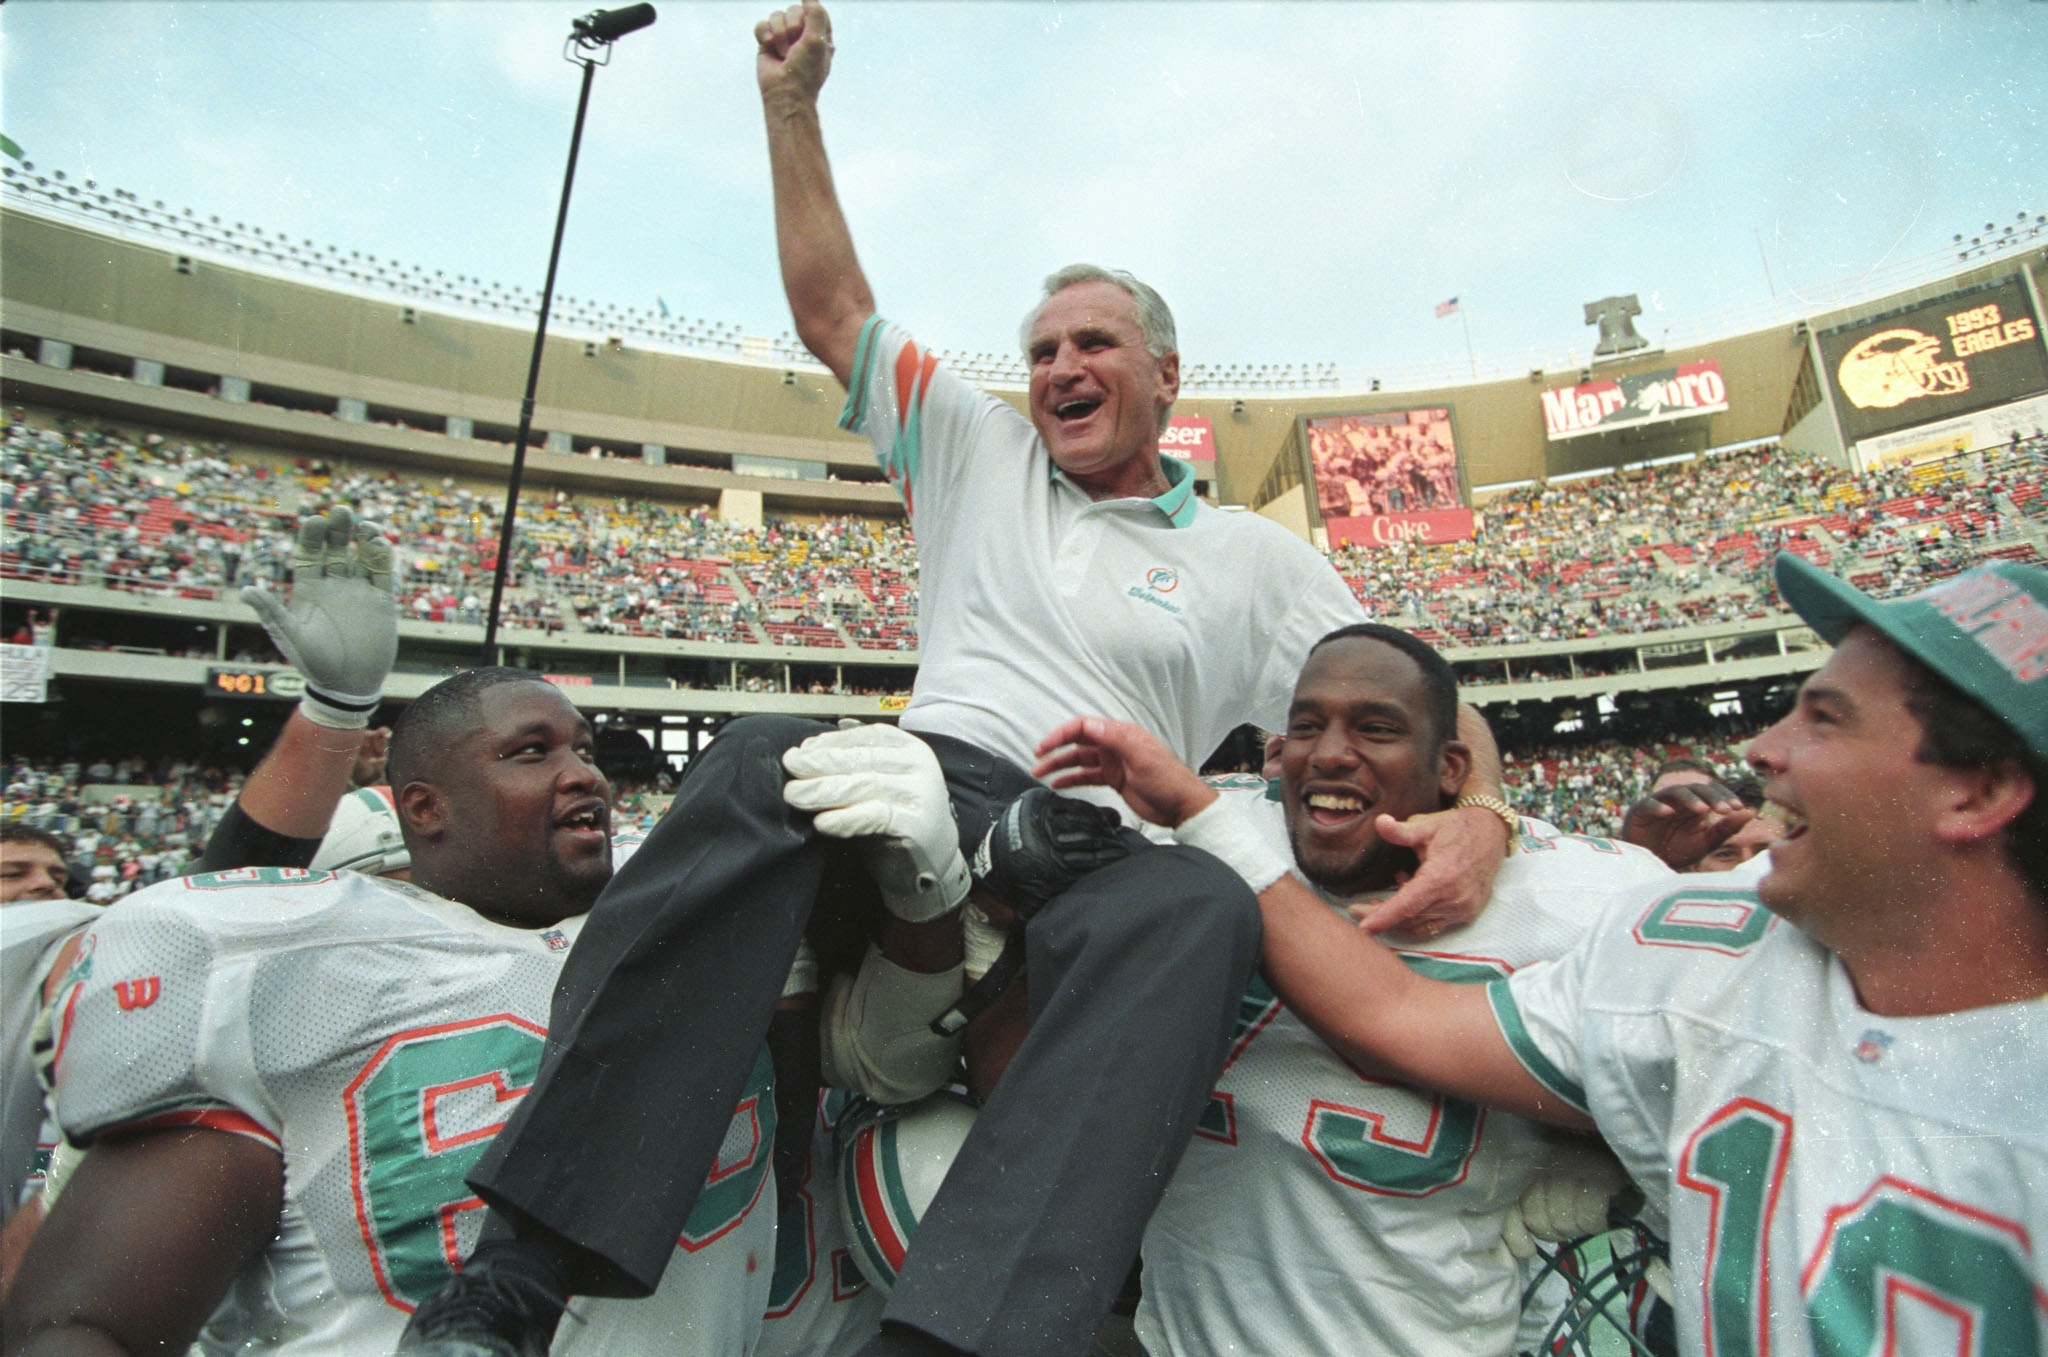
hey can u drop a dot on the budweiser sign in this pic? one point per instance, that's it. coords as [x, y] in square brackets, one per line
[1379, 530]
[1637, 399]
[1190, 438]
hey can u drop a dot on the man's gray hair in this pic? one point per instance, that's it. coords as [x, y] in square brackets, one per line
[1155, 319]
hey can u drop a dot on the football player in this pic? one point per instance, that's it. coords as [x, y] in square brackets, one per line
[1318, 1208]
[1826, 1083]
[38, 921]
[32, 865]
[285, 1074]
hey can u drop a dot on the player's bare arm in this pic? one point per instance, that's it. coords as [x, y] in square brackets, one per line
[828, 294]
[1356, 994]
[142, 1246]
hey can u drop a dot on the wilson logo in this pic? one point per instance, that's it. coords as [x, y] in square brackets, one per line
[134, 994]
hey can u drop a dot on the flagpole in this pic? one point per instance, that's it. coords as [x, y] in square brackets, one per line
[1468, 338]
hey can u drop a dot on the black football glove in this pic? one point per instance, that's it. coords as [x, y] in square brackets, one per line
[1042, 844]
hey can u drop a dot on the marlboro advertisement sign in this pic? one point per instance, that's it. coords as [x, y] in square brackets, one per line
[1635, 400]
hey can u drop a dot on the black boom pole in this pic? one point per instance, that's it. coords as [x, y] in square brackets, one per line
[589, 46]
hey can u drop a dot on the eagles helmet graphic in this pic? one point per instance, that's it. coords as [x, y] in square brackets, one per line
[1895, 366]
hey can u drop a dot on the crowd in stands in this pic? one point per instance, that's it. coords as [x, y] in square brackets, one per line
[129, 822]
[1691, 542]
[1619, 554]
[133, 822]
[1586, 788]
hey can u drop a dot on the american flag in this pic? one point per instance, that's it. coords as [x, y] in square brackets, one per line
[1446, 308]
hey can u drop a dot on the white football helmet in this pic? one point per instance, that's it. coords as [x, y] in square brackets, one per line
[363, 836]
[890, 1168]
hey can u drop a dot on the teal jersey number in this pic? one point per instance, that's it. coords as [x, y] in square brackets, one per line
[1904, 1249]
[1899, 1250]
[1351, 1140]
[741, 1169]
[1737, 1160]
[419, 1116]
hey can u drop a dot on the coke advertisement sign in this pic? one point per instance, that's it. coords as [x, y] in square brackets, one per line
[1379, 530]
[1189, 437]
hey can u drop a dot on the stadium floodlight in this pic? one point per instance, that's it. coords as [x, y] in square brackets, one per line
[589, 45]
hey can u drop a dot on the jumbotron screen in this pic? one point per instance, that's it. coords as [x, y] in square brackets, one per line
[1385, 462]
[1966, 351]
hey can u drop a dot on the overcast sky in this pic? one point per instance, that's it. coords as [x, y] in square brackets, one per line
[1304, 181]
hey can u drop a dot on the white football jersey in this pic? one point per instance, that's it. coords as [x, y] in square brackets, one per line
[1321, 1211]
[31, 933]
[819, 1304]
[1833, 1181]
[376, 1036]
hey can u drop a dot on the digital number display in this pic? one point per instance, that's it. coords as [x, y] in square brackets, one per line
[282, 685]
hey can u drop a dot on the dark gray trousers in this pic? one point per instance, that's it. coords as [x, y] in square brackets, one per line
[1135, 976]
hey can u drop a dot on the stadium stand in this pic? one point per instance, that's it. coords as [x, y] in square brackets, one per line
[1669, 547]
[149, 470]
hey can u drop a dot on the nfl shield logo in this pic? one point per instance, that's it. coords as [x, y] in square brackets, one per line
[556, 940]
[1872, 1047]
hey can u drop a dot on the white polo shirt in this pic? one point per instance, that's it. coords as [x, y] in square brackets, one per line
[1036, 603]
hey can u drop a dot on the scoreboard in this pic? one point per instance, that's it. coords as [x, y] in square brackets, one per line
[274, 685]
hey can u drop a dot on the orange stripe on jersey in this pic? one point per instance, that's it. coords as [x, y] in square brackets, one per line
[63, 1034]
[924, 377]
[907, 362]
[60, 969]
[208, 1118]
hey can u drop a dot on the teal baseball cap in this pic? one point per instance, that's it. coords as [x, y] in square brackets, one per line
[1985, 631]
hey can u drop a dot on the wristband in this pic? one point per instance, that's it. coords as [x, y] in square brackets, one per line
[803, 972]
[1230, 838]
[336, 713]
[981, 940]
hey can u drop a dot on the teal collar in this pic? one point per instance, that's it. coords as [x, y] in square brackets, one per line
[1178, 500]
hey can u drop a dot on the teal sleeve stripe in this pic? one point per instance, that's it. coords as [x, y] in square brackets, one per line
[856, 407]
[1524, 1046]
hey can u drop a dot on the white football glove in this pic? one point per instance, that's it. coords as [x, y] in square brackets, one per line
[340, 630]
[883, 786]
[1568, 1200]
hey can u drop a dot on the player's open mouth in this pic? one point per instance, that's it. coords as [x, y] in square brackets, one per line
[588, 820]
[1069, 411]
[1328, 810]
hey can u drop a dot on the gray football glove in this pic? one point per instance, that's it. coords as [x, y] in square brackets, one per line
[340, 630]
